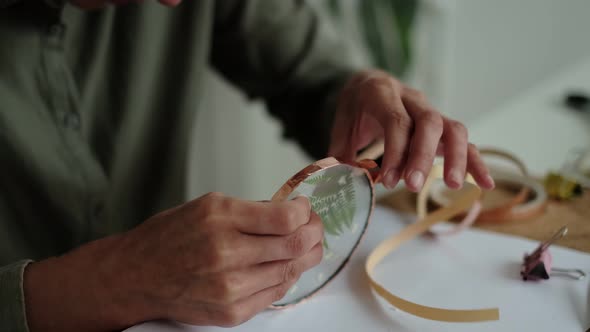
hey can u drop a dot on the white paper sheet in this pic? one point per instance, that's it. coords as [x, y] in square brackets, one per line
[473, 269]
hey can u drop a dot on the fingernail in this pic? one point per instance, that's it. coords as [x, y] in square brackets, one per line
[390, 179]
[455, 179]
[491, 182]
[416, 180]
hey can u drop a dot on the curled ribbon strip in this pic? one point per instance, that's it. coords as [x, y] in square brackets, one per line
[461, 204]
[528, 202]
[422, 200]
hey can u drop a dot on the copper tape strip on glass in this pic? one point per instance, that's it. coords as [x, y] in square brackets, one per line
[461, 204]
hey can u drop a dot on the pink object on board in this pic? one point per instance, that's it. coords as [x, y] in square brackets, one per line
[537, 265]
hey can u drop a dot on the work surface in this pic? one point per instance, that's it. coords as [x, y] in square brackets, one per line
[541, 131]
[474, 269]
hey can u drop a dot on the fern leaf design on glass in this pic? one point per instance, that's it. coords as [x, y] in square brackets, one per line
[333, 199]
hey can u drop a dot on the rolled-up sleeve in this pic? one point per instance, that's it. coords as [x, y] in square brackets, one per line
[287, 54]
[12, 301]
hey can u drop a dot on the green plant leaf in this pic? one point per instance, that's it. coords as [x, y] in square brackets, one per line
[334, 200]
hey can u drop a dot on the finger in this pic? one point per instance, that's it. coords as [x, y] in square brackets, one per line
[243, 310]
[367, 131]
[271, 218]
[397, 126]
[232, 286]
[247, 308]
[440, 149]
[244, 250]
[260, 249]
[477, 168]
[427, 133]
[455, 153]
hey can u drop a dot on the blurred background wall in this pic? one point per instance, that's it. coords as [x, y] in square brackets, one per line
[468, 56]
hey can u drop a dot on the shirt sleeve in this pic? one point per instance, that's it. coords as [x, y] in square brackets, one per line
[12, 302]
[287, 54]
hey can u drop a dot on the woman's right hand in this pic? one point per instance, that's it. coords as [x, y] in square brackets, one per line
[212, 261]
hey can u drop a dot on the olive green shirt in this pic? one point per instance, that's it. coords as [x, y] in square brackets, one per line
[96, 110]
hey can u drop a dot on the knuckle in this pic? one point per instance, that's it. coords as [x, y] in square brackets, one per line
[232, 316]
[290, 272]
[457, 127]
[225, 288]
[212, 196]
[296, 243]
[214, 256]
[209, 205]
[375, 80]
[225, 204]
[289, 218]
[377, 86]
[431, 119]
[280, 292]
[415, 94]
[398, 120]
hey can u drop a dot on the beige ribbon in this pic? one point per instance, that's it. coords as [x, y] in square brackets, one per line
[461, 204]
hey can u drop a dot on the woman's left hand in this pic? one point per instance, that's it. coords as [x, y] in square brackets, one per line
[374, 105]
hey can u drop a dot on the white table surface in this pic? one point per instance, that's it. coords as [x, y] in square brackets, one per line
[473, 269]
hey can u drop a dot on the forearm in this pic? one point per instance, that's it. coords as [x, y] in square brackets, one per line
[81, 291]
[307, 115]
[292, 58]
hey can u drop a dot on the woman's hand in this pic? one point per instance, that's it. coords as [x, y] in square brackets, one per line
[374, 106]
[212, 261]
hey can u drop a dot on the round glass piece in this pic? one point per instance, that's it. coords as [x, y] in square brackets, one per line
[342, 195]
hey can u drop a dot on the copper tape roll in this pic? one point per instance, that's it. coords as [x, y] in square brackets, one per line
[526, 210]
[505, 211]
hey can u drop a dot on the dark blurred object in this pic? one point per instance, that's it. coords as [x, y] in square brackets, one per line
[578, 100]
